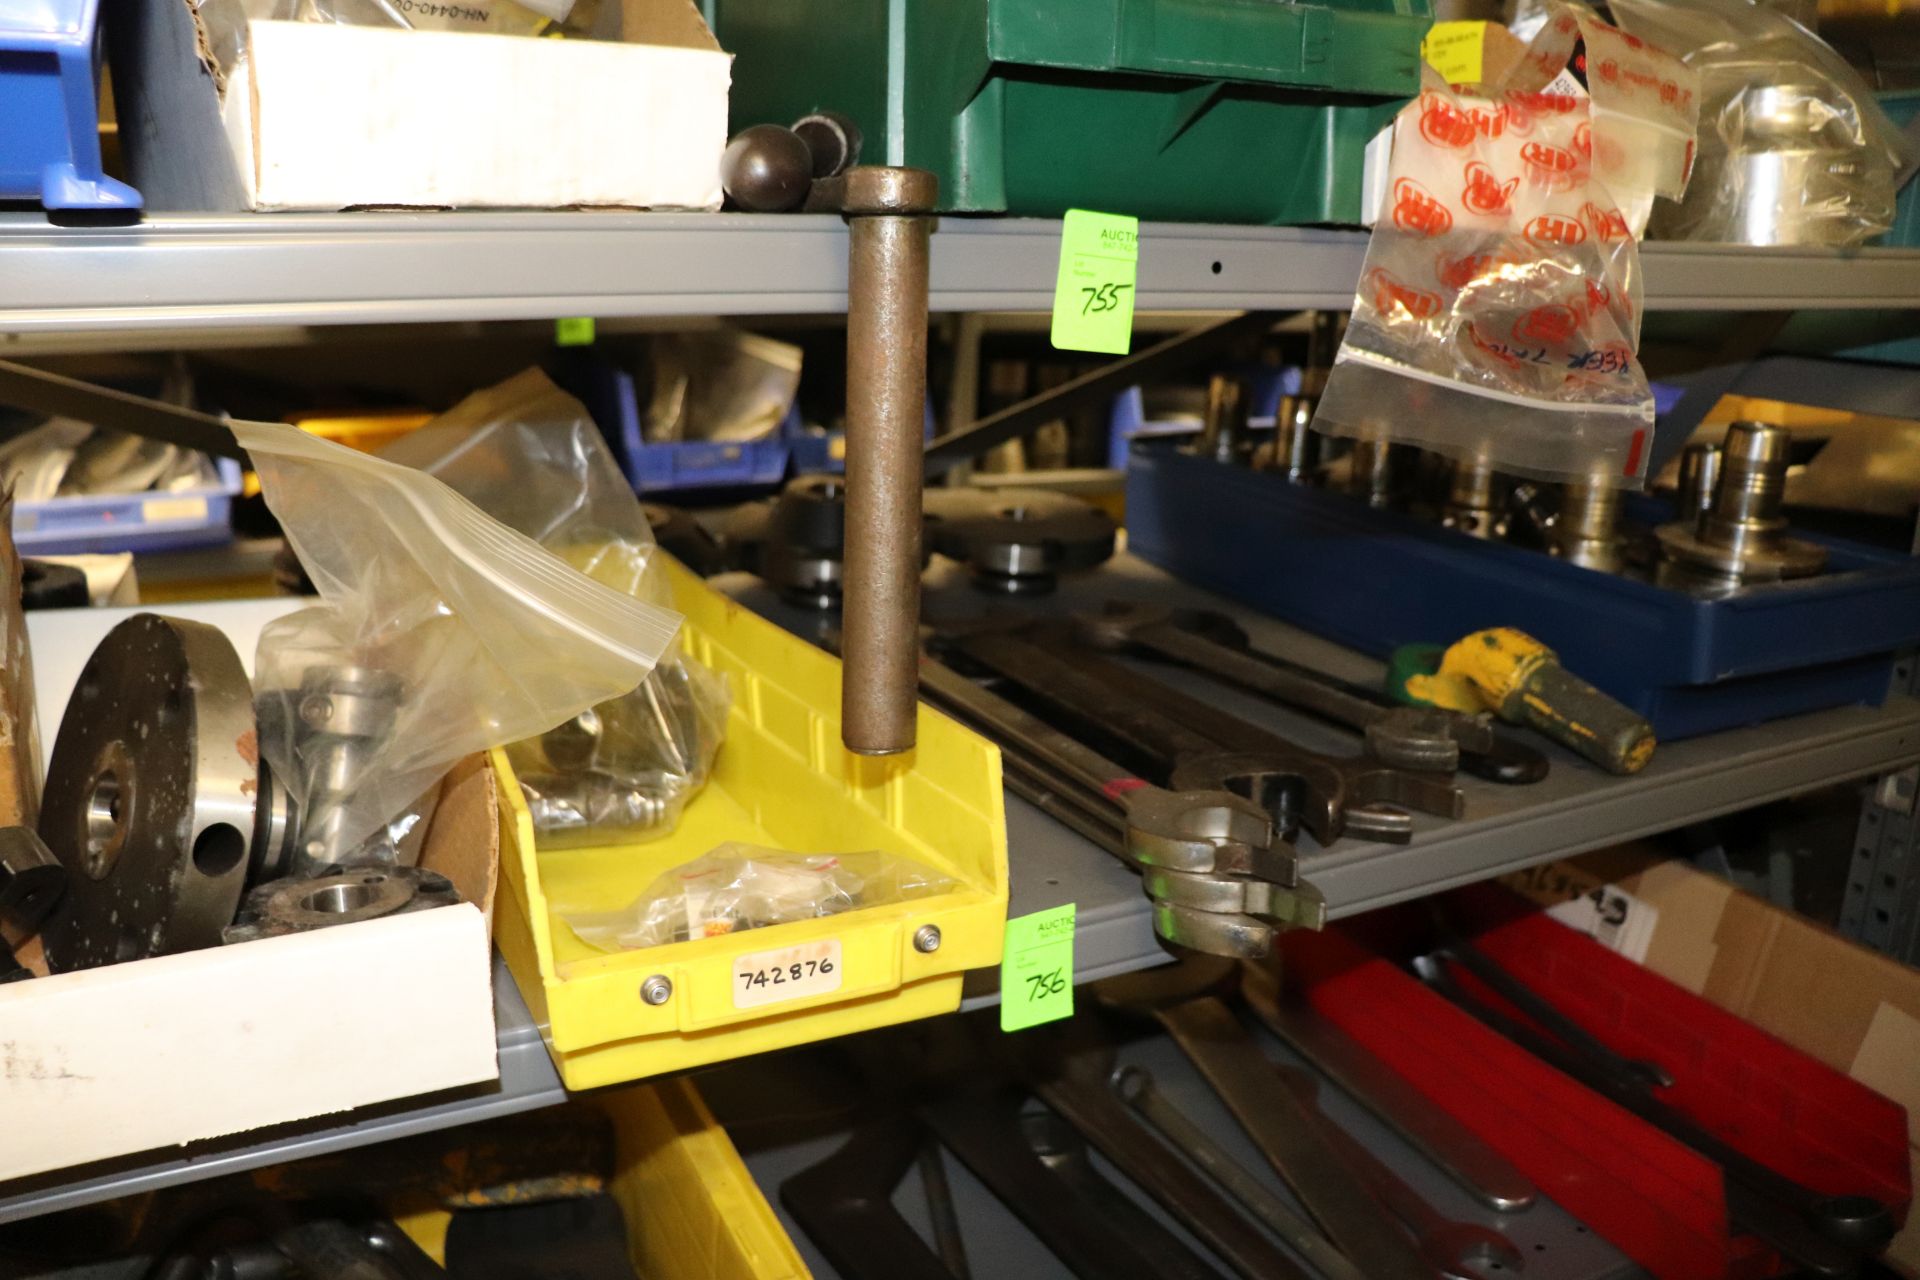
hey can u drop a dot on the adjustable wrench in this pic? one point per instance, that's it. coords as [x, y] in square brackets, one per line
[1209, 748]
[1452, 1249]
[1220, 876]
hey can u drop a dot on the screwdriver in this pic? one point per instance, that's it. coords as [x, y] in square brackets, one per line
[1511, 674]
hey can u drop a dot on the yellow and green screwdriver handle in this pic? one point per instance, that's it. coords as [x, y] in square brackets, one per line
[1520, 680]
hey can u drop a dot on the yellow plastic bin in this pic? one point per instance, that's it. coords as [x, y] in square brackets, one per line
[781, 780]
[692, 1208]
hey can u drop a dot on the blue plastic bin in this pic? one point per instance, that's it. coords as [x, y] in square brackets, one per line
[1375, 580]
[609, 395]
[1127, 419]
[49, 117]
[138, 522]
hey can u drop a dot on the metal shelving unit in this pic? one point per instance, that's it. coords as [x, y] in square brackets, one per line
[190, 272]
[198, 275]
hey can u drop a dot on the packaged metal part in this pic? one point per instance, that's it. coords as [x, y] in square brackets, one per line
[1794, 148]
[741, 886]
[442, 633]
[528, 454]
[1498, 314]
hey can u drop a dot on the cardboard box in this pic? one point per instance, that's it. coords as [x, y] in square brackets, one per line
[332, 117]
[1853, 1009]
[127, 1058]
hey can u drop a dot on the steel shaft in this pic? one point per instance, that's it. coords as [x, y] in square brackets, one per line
[886, 406]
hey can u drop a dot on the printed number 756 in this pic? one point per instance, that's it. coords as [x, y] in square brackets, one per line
[1104, 298]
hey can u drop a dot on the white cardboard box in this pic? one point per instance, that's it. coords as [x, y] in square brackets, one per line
[153, 1053]
[333, 117]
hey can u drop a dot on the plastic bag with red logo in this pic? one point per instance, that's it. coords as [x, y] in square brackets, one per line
[1498, 313]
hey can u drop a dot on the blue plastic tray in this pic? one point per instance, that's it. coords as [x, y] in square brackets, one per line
[49, 118]
[1375, 580]
[609, 395]
[141, 522]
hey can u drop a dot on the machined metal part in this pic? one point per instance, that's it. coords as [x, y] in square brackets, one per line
[32, 880]
[834, 141]
[1741, 536]
[1405, 737]
[343, 897]
[150, 794]
[888, 231]
[1699, 477]
[1074, 1083]
[803, 550]
[1453, 1148]
[681, 534]
[1282, 1126]
[1296, 445]
[1374, 473]
[1018, 541]
[1454, 1250]
[1826, 1235]
[1224, 435]
[1136, 1088]
[1471, 505]
[343, 717]
[1587, 532]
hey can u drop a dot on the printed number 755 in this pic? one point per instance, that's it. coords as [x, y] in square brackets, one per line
[1104, 298]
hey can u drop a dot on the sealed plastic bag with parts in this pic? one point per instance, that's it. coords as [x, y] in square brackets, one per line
[1794, 149]
[1498, 314]
[528, 454]
[442, 633]
[742, 886]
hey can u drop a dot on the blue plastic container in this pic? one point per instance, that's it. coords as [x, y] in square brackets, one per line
[139, 522]
[49, 117]
[1375, 580]
[610, 396]
[1127, 419]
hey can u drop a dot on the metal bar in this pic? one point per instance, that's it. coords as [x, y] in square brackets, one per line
[51, 394]
[1163, 357]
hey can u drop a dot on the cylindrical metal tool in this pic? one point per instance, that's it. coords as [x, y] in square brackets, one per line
[1587, 533]
[1296, 450]
[1223, 433]
[886, 407]
[343, 718]
[1375, 471]
[1741, 535]
[1699, 477]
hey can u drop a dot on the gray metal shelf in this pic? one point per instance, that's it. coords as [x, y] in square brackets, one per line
[180, 271]
[527, 1081]
[1576, 808]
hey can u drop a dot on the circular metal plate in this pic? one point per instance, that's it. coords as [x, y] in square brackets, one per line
[150, 795]
[1017, 540]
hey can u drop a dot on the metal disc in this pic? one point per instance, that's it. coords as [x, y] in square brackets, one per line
[1017, 540]
[150, 795]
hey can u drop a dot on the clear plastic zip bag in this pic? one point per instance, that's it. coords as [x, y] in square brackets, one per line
[622, 770]
[442, 633]
[1498, 314]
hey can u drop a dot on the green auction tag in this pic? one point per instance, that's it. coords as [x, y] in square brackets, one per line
[573, 331]
[1093, 295]
[1036, 969]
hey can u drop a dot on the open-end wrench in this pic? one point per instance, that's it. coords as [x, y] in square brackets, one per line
[1452, 1249]
[1208, 747]
[1221, 878]
[1074, 1083]
[1456, 1150]
[1405, 737]
[1276, 1119]
[1136, 1088]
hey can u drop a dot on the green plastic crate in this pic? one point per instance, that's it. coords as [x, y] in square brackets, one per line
[1187, 110]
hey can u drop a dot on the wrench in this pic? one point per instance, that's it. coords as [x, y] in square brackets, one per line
[1211, 861]
[1277, 1121]
[1403, 737]
[1136, 1088]
[1209, 748]
[1453, 1249]
[1074, 1084]
[1455, 1149]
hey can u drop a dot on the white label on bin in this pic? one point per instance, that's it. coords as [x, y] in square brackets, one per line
[1612, 917]
[156, 510]
[768, 977]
